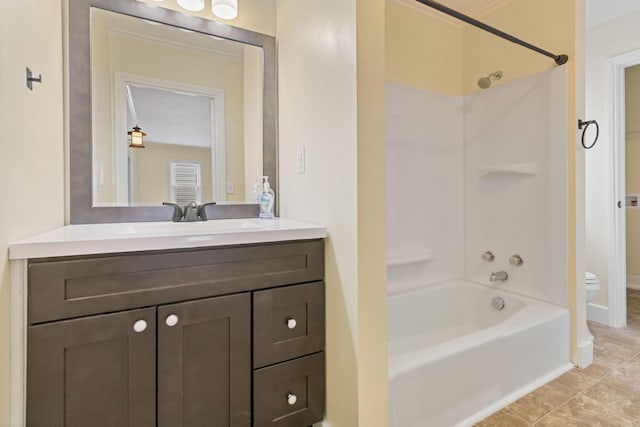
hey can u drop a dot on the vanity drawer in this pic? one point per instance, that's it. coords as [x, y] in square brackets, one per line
[288, 322]
[290, 394]
[70, 287]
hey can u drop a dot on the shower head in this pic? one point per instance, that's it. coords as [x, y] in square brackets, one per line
[485, 82]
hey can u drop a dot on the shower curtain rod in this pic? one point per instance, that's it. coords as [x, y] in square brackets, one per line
[559, 59]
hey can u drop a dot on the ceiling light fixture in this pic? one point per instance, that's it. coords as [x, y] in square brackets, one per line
[192, 5]
[225, 9]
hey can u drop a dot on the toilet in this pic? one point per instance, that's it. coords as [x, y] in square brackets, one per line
[591, 285]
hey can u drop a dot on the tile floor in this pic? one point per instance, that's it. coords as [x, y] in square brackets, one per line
[605, 394]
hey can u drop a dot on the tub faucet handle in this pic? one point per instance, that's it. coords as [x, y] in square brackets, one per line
[500, 276]
[488, 256]
[516, 260]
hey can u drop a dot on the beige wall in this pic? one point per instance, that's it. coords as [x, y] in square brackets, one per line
[545, 23]
[422, 51]
[372, 222]
[632, 157]
[31, 146]
[152, 176]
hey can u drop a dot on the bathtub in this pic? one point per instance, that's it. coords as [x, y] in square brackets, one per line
[455, 359]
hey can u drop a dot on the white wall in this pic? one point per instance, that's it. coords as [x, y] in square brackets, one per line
[516, 184]
[331, 100]
[31, 142]
[425, 186]
[603, 42]
[317, 99]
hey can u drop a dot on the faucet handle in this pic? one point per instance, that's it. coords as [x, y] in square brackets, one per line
[488, 256]
[178, 213]
[516, 260]
[202, 212]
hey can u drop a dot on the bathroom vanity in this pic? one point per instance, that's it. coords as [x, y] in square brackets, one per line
[218, 323]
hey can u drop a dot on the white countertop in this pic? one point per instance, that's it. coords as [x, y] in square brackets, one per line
[87, 239]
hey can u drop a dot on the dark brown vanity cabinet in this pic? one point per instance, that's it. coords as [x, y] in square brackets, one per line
[214, 357]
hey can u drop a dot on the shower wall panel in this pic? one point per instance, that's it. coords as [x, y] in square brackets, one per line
[516, 184]
[425, 187]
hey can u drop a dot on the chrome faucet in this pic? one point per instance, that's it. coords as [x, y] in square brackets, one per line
[500, 276]
[190, 213]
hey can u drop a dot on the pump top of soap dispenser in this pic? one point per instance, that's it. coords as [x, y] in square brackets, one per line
[266, 185]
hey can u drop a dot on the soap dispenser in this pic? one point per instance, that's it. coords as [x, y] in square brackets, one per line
[267, 199]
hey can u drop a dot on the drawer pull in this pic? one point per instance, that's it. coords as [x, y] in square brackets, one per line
[291, 323]
[140, 326]
[171, 320]
[292, 399]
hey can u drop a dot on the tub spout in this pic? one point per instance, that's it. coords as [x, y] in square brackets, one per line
[500, 276]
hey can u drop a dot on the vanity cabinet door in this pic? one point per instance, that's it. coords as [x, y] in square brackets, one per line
[204, 362]
[93, 371]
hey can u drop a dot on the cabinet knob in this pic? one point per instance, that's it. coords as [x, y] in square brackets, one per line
[171, 320]
[140, 325]
[291, 323]
[292, 399]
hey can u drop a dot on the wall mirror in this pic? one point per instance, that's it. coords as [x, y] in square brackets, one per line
[204, 94]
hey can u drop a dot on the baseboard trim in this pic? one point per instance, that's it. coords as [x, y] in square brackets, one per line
[633, 282]
[598, 313]
[584, 356]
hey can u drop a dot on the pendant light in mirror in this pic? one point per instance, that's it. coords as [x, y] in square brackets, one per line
[136, 137]
[192, 5]
[225, 9]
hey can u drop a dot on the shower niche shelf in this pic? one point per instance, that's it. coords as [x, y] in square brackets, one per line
[416, 258]
[510, 169]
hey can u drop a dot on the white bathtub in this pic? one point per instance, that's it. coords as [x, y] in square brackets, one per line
[454, 359]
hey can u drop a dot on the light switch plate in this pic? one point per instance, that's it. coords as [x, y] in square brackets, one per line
[230, 188]
[300, 159]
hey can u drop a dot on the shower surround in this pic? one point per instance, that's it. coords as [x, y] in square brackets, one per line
[466, 175]
[487, 171]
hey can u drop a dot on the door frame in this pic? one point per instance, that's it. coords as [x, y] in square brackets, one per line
[616, 157]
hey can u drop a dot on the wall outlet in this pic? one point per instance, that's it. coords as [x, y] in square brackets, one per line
[230, 188]
[300, 159]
